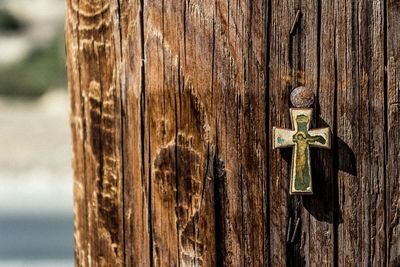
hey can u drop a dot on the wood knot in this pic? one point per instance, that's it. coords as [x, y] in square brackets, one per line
[302, 97]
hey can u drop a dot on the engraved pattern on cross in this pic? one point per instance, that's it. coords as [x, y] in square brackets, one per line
[301, 139]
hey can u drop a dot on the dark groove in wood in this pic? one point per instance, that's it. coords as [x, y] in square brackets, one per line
[386, 124]
[123, 127]
[267, 46]
[335, 145]
[143, 129]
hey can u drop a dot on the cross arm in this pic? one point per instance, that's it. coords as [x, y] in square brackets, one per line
[282, 137]
[320, 137]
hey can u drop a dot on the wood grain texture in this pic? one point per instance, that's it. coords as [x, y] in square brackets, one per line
[295, 62]
[183, 76]
[360, 126]
[393, 134]
[94, 73]
[172, 109]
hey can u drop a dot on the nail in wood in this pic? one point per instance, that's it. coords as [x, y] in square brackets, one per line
[295, 230]
[295, 22]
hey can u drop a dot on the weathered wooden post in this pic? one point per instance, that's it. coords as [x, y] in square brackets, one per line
[169, 132]
[172, 108]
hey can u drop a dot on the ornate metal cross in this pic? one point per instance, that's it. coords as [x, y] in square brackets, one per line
[301, 139]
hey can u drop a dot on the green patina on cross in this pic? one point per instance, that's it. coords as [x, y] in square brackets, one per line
[301, 138]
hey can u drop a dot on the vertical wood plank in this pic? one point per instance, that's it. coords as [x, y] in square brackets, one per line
[326, 113]
[177, 131]
[94, 71]
[238, 98]
[196, 117]
[393, 131]
[279, 76]
[137, 227]
[360, 130]
[319, 76]
[349, 208]
[81, 223]
[160, 135]
[295, 61]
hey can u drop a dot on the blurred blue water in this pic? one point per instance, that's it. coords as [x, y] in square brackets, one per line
[36, 238]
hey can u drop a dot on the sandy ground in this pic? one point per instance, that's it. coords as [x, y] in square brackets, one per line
[35, 156]
[35, 181]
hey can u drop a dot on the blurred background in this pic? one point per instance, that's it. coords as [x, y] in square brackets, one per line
[36, 219]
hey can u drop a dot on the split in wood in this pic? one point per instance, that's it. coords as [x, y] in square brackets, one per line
[288, 230]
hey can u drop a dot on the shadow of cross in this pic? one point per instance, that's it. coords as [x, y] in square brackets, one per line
[301, 138]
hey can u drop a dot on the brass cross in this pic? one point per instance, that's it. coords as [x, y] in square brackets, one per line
[301, 138]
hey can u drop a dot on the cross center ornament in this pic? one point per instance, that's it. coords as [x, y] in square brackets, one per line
[301, 139]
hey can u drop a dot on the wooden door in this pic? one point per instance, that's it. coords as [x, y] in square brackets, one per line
[172, 108]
